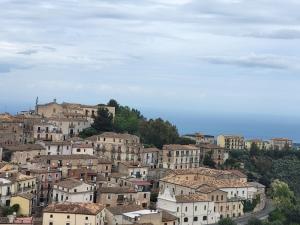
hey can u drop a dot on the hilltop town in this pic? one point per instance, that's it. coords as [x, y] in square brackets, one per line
[51, 175]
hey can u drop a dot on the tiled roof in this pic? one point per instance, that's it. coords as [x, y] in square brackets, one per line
[28, 196]
[167, 217]
[120, 209]
[24, 147]
[75, 208]
[146, 150]
[116, 190]
[174, 147]
[191, 198]
[69, 183]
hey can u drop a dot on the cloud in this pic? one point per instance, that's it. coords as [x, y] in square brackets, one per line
[284, 33]
[8, 67]
[28, 52]
[253, 60]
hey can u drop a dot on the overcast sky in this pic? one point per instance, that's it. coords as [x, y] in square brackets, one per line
[206, 57]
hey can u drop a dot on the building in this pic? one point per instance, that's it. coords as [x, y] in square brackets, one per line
[69, 213]
[26, 203]
[117, 147]
[261, 144]
[47, 131]
[150, 157]
[281, 143]
[231, 142]
[180, 156]
[11, 130]
[68, 162]
[23, 153]
[204, 139]
[72, 190]
[133, 170]
[57, 147]
[114, 214]
[218, 154]
[216, 193]
[70, 110]
[82, 148]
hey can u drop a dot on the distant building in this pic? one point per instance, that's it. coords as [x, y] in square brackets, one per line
[70, 110]
[281, 143]
[231, 142]
[218, 154]
[204, 139]
[117, 147]
[261, 144]
[150, 157]
[180, 156]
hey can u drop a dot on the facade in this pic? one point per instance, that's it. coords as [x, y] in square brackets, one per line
[72, 190]
[71, 110]
[114, 214]
[261, 144]
[21, 154]
[133, 170]
[64, 163]
[26, 203]
[46, 131]
[117, 147]
[231, 142]
[57, 147]
[204, 139]
[281, 143]
[150, 157]
[180, 156]
[221, 190]
[74, 214]
[218, 154]
[82, 148]
[11, 130]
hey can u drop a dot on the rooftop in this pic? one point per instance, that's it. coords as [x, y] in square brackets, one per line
[69, 183]
[180, 147]
[24, 147]
[120, 209]
[191, 198]
[116, 190]
[75, 208]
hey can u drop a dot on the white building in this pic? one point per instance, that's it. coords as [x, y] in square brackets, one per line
[82, 148]
[72, 190]
[57, 147]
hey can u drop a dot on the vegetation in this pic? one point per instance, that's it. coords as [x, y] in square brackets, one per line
[208, 161]
[249, 205]
[226, 221]
[6, 210]
[153, 132]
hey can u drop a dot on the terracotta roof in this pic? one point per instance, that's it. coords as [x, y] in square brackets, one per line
[174, 147]
[28, 196]
[191, 198]
[167, 217]
[75, 208]
[120, 209]
[69, 183]
[24, 147]
[116, 190]
[114, 135]
[66, 157]
[146, 150]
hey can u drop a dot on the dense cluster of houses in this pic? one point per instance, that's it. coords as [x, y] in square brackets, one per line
[57, 178]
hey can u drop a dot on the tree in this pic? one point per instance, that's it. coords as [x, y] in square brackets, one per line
[208, 161]
[88, 132]
[113, 103]
[281, 194]
[226, 221]
[254, 149]
[254, 221]
[103, 121]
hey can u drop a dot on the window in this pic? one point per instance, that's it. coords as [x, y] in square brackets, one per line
[50, 223]
[78, 149]
[195, 208]
[86, 218]
[186, 208]
[177, 209]
[221, 197]
[67, 223]
[145, 195]
[205, 207]
[75, 190]
[185, 219]
[204, 218]
[51, 216]
[196, 218]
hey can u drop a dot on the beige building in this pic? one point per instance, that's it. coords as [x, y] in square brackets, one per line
[221, 190]
[261, 144]
[72, 190]
[218, 154]
[70, 110]
[82, 148]
[74, 214]
[25, 201]
[114, 196]
[180, 156]
[150, 157]
[69, 162]
[117, 147]
[136, 170]
[47, 132]
[21, 154]
[204, 138]
[281, 143]
[231, 142]
[11, 130]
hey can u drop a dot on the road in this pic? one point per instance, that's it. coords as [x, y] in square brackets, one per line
[263, 214]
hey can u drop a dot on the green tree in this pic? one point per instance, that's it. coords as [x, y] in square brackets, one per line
[226, 221]
[254, 221]
[103, 121]
[254, 149]
[88, 132]
[208, 160]
[281, 194]
[113, 103]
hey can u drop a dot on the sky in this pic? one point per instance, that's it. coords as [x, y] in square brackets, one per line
[213, 66]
